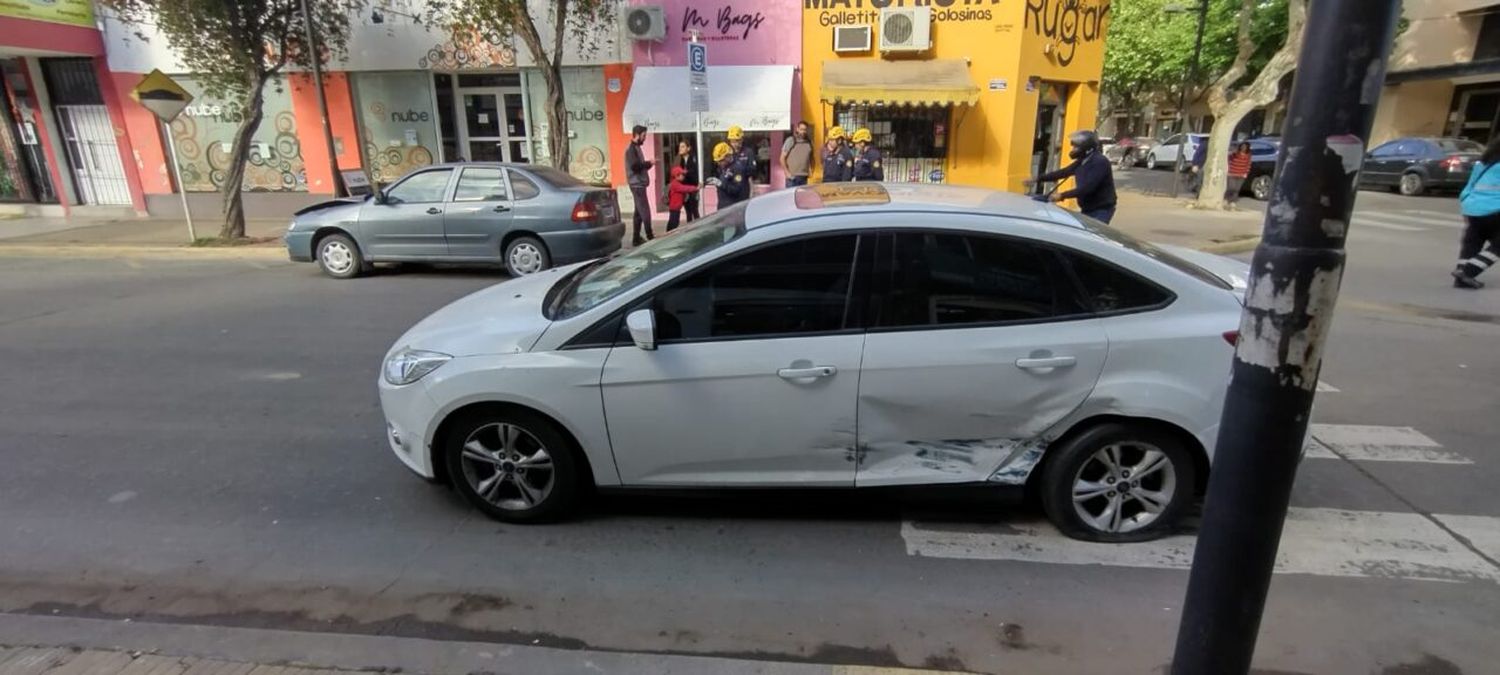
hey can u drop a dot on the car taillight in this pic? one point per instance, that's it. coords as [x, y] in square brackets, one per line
[1453, 163]
[584, 211]
[1232, 337]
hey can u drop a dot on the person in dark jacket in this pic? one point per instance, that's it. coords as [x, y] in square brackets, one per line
[1093, 178]
[687, 160]
[838, 162]
[638, 177]
[866, 158]
[733, 181]
[1195, 167]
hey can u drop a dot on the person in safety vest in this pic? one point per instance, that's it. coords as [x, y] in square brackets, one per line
[866, 158]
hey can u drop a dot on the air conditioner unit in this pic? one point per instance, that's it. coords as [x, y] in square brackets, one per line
[851, 39]
[905, 29]
[646, 22]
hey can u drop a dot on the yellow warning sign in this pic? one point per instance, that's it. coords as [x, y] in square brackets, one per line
[161, 95]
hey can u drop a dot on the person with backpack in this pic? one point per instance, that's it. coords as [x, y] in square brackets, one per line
[797, 155]
[1480, 204]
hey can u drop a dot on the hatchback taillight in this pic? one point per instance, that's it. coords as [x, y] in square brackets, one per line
[1453, 163]
[584, 211]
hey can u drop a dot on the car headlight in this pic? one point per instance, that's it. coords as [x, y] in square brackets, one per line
[409, 365]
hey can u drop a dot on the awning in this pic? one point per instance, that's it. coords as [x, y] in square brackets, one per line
[757, 98]
[870, 82]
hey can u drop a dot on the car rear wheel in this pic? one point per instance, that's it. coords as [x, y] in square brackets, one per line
[1412, 184]
[1260, 187]
[339, 257]
[1118, 483]
[526, 255]
[512, 465]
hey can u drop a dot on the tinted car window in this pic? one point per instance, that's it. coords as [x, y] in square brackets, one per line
[793, 288]
[556, 178]
[481, 184]
[934, 279]
[1110, 289]
[1458, 145]
[1386, 150]
[427, 186]
[525, 189]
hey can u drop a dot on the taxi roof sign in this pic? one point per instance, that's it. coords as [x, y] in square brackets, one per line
[824, 195]
[161, 95]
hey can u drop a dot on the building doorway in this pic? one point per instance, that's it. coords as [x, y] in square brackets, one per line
[1046, 145]
[88, 135]
[493, 125]
[1479, 114]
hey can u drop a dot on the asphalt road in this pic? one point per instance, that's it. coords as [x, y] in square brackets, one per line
[201, 442]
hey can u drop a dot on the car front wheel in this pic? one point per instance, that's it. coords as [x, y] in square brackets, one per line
[1151, 161]
[1412, 184]
[339, 257]
[512, 465]
[1118, 483]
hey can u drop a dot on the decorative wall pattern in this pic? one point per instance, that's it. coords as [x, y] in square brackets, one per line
[398, 122]
[583, 88]
[204, 134]
[479, 50]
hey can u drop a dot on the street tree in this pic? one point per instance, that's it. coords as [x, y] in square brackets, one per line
[1230, 100]
[542, 26]
[235, 48]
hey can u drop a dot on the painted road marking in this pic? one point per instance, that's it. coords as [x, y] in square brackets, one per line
[1320, 542]
[1326, 387]
[1420, 218]
[1367, 221]
[1365, 443]
[1479, 530]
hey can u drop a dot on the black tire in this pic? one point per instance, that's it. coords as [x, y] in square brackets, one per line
[526, 255]
[1073, 461]
[1151, 162]
[339, 257]
[503, 498]
[1411, 184]
[1260, 187]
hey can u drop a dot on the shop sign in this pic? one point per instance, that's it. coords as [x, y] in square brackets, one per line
[854, 12]
[998, 84]
[71, 12]
[725, 23]
[1068, 22]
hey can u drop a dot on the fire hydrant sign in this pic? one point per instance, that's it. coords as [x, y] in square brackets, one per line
[161, 95]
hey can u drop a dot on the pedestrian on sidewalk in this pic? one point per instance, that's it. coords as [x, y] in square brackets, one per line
[838, 162]
[732, 183]
[687, 160]
[1239, 171]
[1093, 178]
[677, 193]
[866, 158]
[1480, 204]
[638, 177]
[797, 155]
[1195, 167]
[744, 153]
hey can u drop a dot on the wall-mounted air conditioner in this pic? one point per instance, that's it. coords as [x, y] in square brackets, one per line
[646, 22]
[905, 29]
[851, 39]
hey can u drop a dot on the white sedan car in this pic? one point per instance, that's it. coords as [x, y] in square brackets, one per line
[846, 335]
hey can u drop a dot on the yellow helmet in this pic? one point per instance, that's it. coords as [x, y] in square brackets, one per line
[736, 133]
[721, 151]
[862, 136]
[836, 133]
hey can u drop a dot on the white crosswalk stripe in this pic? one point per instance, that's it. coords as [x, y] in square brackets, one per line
[1322, 542]
[1324, 387]
[1366, 443]
[1406, 221]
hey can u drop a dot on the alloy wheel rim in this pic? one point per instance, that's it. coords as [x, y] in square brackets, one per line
[525, 259]
[337, 257]
[1124, 487]
[1409, 183]
[508, 467]
[1261, 187]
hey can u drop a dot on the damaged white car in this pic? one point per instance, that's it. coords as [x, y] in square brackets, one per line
[844, 335]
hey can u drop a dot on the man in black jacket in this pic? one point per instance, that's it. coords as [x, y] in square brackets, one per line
[1093, 178]
[638, 177]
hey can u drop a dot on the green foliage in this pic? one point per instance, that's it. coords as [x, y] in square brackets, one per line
[1149, 49]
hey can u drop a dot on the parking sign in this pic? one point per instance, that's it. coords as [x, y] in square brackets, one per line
[698, 76]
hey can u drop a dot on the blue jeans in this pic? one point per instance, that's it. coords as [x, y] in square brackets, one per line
[1102, 215]
[794, 181]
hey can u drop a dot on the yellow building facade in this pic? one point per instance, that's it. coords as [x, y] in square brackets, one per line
[987, 99]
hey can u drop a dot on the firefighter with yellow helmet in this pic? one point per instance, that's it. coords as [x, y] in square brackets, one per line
[838, 161]
[866, 157]
[731, 180]
[742, 152]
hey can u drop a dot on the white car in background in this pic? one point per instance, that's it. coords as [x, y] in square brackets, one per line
[1164, 154]
[847, 335]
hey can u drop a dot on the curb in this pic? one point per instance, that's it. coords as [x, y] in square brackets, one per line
[126, 251]
[1231, 247]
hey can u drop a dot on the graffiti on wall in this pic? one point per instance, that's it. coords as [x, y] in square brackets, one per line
[1068, 22]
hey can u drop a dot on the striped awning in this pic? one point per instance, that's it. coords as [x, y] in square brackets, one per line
[936, 82]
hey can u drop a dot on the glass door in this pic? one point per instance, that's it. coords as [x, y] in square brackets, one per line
[494, 125]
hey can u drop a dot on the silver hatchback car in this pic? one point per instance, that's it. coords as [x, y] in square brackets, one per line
[527, 218]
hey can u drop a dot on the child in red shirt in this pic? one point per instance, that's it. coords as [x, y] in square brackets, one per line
[677, 192]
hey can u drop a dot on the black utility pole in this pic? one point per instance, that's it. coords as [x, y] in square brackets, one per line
[1294, 282]
[1192, 76]
[333, 159]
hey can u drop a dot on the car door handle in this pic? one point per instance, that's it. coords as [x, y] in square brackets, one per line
[1047, 362]
[501, 209]
[806, 373]
[434, 211]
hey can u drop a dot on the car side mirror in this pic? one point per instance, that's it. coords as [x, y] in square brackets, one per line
[642, 326]
[379, 197]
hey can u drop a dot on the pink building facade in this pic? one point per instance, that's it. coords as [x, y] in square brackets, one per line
[754, 57]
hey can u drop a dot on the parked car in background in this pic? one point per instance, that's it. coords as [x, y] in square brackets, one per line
[1115, 149]
[526, 218]
[1164, 155]
[1413, 166]
[850, 335]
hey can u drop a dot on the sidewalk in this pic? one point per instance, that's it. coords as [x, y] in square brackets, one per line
[1168, 221]
[46, 645]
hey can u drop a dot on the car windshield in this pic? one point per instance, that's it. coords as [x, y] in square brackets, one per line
[612, 276]
[1150, 250]
[555, 178]
[1459, 145]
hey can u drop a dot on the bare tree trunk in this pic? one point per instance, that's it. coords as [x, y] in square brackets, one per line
[1228, 112]
[557, 118]
[239, 155]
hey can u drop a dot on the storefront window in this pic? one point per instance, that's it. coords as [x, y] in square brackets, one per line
[761, 142]
[397, 121]
[913, 141]
[204, 135]
[583, 89]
